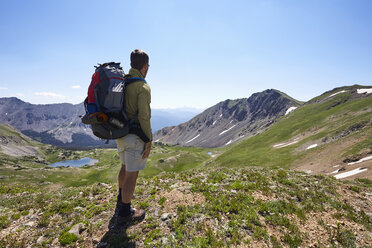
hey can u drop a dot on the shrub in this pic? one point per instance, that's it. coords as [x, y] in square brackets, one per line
[67, 238]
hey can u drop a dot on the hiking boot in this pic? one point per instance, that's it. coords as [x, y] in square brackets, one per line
[135, 217]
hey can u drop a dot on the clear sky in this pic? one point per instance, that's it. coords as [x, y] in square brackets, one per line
[201, 52]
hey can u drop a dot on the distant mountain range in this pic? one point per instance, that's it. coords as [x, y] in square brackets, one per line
[223, 124]
[60, 124]
[230, 121]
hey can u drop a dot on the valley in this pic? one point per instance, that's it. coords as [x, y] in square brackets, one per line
[299, 176]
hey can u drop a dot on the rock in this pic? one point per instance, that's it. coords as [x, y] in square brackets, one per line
[165, 216]
[102, 245]
[174, 186]
[164, 240]
[105, 185]
[40, 240]
[30, 223]
[156, 212]
[95, 240]
[78, 208]
[77, 229]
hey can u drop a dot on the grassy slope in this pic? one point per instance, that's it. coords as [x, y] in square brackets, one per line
[320, 120]
[250, 207]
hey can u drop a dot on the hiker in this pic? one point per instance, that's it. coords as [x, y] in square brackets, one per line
[134, 148]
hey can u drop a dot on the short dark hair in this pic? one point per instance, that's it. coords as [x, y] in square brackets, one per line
[138, 59]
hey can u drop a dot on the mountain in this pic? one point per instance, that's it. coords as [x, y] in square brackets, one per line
[60, 124]
[330, 134]
[230, 121]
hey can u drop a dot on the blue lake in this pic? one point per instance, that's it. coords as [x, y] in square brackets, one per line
[75, 163]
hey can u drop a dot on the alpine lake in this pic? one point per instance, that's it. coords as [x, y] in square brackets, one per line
[75, 163]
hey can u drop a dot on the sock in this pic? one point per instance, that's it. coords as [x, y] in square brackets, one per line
[125, 209]
[119, 195]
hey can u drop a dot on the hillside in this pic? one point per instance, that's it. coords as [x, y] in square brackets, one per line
[249, 207]
[17, 149]
[331, 133]
[229, 121]
[14, 143]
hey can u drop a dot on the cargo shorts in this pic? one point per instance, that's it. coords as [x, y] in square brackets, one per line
[130, 148]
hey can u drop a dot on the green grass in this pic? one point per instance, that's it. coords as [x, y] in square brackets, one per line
[230, 214]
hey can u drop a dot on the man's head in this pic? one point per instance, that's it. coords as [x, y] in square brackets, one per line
[140, 60]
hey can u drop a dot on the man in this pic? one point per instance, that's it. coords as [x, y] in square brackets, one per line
[135, 147]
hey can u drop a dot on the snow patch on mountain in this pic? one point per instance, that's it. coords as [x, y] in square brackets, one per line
[312, 146]
[290, 110]
[281, 145]
[362, 91]
[192, 139]
[350, 173]
[227, 130]
[361, 160]
[342, 91]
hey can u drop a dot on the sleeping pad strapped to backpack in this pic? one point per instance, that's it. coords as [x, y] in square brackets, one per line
[105, 104]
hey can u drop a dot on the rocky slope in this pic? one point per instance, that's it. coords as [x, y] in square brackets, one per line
[219, 207]
[229, 121]
[57, 124]
[331, 134]
[14, 143]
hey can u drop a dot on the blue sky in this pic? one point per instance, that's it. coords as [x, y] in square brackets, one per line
[201, 52]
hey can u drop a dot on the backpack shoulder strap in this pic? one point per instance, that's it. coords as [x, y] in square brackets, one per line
[128, 79]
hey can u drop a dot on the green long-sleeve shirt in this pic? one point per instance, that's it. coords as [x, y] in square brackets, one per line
[138, 98]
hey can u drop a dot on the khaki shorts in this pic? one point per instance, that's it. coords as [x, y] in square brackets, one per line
[130, 148]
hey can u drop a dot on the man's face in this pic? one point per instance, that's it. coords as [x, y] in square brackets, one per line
[145, 69]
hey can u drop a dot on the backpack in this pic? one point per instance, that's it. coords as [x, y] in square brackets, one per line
[105, 103]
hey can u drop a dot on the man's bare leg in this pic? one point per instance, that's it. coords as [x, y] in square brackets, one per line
[121, 176]
[128, 186]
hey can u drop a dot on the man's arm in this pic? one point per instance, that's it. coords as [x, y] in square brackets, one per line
[144, 116]
[146, 151]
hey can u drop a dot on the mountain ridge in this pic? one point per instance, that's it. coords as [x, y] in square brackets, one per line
[330, 134]
[59, 123]
[235, 119]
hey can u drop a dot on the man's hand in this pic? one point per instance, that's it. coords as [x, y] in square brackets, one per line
[146, 152]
